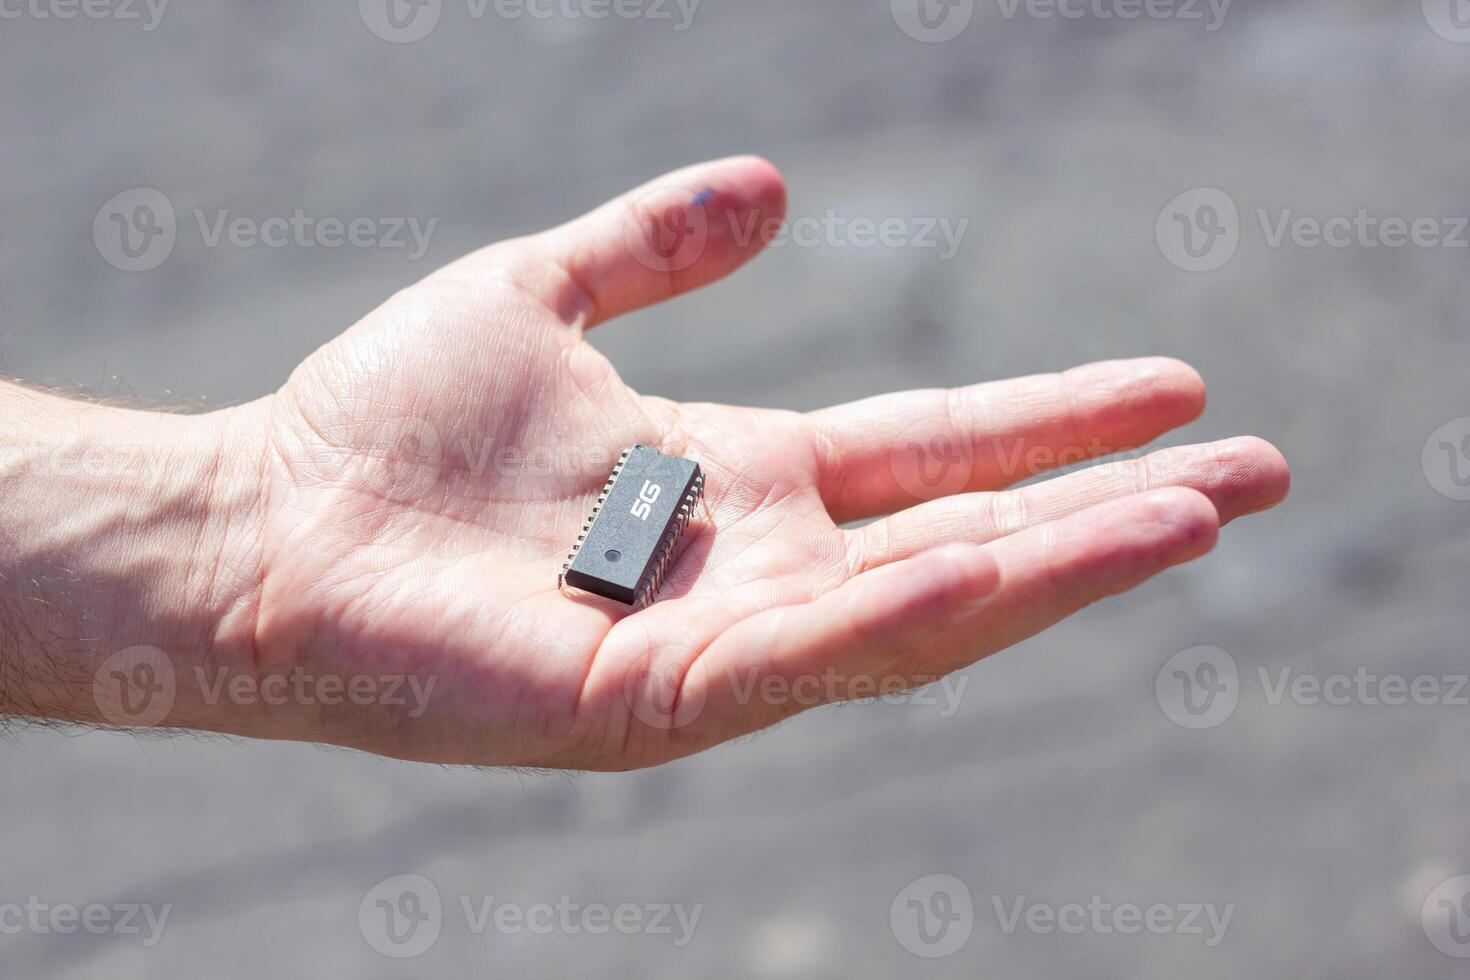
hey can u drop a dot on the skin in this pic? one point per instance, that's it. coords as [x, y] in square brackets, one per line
[402, 505]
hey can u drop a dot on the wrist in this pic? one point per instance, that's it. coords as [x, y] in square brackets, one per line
[128, 543]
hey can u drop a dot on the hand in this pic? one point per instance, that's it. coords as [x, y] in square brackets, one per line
[422, 478]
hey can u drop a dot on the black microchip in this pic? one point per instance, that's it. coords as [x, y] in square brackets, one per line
[629, 539]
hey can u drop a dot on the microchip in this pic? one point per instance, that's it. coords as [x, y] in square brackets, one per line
[629, 540]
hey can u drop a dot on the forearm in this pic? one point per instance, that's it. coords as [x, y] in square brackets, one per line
[115, 536]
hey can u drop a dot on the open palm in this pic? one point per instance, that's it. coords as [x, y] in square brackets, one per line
[425, 475]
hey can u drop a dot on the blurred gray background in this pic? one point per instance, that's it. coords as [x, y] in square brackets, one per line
[1060, 777]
